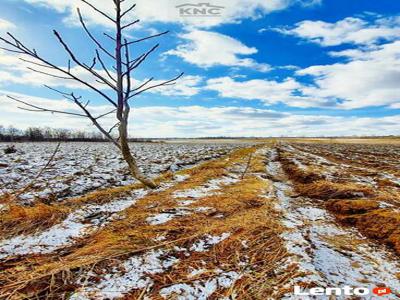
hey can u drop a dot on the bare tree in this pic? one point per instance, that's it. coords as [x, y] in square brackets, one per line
[118, 78]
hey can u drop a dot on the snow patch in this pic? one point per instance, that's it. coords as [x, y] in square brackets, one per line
[164, 217]
[135, 276]
[200, 290]
[78, 224]
[207, 189]
[208, 241]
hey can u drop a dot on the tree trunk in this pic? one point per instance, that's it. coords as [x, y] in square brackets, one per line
[131, 161]
[123, 108]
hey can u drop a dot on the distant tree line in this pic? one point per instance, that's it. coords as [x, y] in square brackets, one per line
[48, 134]
[43, 134]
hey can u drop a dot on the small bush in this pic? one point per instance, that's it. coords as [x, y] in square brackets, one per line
[10, 149]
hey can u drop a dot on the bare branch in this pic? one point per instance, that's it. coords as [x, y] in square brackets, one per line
[144, 84]
[26, 51]
[91, 36]
[113, 127]
[33, 181]
[35, 63]
[128, 73]
[104, 66]
[128, 10]
[48, 74]
[142, 58]
[148, 37]
[165, 83]
[94, 121]
[64, 94]
[130, 24]
[93, 63]
[84, 66]
[109, 36]
[99, 11]
[42, 109]
[106, 114]
[13, 51]
[87, 114]
[19, 44]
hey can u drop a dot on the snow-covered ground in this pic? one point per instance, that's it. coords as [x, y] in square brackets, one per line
[78, 224]
[327, 254]
[81, 167]
[137, 271]
[343, 171]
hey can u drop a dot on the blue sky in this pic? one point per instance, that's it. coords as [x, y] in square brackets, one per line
[260, 68]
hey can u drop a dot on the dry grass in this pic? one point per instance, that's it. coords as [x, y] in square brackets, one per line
[296, 174]
[325, 190]
[354, 204]
[380, 224]
[358, 206]
[370, 141]
[17, 219]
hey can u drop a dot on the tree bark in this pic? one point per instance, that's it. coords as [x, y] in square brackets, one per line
[131, 161]
[123, 108]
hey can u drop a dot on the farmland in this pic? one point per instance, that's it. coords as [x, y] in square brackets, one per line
[228, 220]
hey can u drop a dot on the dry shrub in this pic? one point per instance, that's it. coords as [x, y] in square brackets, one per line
[325, 190]
[358, 206]
[10, 149]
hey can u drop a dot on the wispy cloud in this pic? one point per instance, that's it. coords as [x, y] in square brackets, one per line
[368, 78]
[207, 49]
[6, 25]
[350, 30]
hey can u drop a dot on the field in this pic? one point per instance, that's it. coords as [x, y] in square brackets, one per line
[228, 221]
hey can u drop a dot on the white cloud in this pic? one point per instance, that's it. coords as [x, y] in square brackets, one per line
[269, 92]
[192, 121]
[186, 86]
[349, 30]
[208, 49]
[6, 25]
[166, 11]
[14, 71]
[11, 114]
[369, 78]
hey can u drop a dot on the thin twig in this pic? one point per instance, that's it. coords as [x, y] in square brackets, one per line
[247, 166]
[99, 11]
[33, 181]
